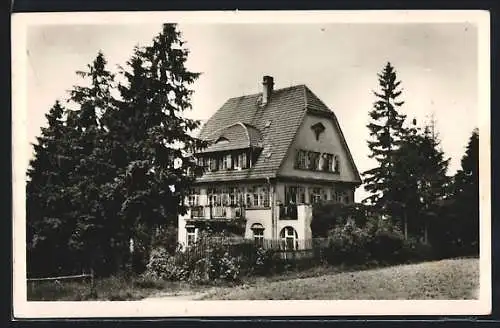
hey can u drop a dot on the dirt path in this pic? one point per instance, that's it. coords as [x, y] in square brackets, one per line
[186, 296]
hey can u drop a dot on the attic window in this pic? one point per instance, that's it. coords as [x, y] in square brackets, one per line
[318, 129]
[268, 124]
[222, 140]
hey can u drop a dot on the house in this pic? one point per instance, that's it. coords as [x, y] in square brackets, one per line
[271, 155]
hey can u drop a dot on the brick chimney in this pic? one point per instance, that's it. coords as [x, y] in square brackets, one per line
[267, 89]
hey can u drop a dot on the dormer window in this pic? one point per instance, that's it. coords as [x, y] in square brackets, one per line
[222, 140]
[318, 129]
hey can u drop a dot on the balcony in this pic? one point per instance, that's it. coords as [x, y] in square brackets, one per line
[288, 212]
[217, 212]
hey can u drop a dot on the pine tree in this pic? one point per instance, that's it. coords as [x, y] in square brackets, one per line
[152, 137]
[46, 203]
[466, 198]
[420, 170]
[92, 168]
[386, 130]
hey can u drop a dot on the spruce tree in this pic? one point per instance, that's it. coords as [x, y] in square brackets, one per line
[420, 170]
[48, 229]
[93, 167]
[152, 138]
[466, 198]
[386, 131]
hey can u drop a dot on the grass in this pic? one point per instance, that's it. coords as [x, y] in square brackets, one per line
[446, 279]
[106, 289]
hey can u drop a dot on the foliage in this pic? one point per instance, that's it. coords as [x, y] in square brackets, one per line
[329, 214]
[420, 171]
[213, 264]
[111, 170]
[456, 229]
[386, 130]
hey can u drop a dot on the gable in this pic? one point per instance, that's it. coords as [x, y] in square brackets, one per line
[329, 141]
[273, 127]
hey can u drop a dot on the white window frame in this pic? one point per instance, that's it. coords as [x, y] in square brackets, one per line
[190, 236]
[287, 234]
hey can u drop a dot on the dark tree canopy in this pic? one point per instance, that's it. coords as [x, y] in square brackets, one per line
[107, 170]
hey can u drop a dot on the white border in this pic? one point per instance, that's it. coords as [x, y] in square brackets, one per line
[25, 309]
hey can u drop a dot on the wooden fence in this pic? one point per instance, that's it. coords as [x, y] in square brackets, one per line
[295, 250]
[57, 280]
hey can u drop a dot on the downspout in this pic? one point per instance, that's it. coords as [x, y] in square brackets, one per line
[271, 193]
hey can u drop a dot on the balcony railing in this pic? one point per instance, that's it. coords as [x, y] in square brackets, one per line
[288, 212]
[217, 212]
[197, 211]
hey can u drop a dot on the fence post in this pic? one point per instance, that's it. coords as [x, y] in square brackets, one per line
[92, 283]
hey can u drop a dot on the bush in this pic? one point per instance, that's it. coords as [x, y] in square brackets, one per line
[163, 266]
[347, 245]
[206, 264]
[415, 251]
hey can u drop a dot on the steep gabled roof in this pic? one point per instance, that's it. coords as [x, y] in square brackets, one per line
[274, 126]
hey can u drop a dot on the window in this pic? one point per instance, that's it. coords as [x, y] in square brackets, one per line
[264, 197]
[342, 197]
[315, 161]
[333, 194]
[311, 160]
[243, 160]
[291, 195]
[255, 198]
[258, 234]
[193, 200]
[302, 195]
[324, 193]
[336, 162]
[289, 238]
[328, 163]
[315, 195]
[191, 236]
[227, 165]
[237, 162]
[248, 199]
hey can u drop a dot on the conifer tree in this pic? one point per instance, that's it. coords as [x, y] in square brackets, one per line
[386, 130]
[420, 171]
[152, 136]
[93, 167]
[47, 229]
[466, 197]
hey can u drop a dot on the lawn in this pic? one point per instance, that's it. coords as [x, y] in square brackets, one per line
[446, 279]
[107, 289]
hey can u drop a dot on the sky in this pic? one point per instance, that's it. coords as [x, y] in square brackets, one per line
[436, 62]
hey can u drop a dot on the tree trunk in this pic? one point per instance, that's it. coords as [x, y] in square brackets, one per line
[425, 232]
[405, 225]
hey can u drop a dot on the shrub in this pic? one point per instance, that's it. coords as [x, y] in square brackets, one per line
[203, 263]
[347, 245]
[163, 266]
[415, 251]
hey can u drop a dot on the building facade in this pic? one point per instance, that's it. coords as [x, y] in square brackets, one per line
[271, 156]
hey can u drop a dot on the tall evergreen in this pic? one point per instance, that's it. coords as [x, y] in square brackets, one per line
[152, 137]
[92, 168]
[466, 198]
[420, 169]
[46, 201]
[386, 130]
